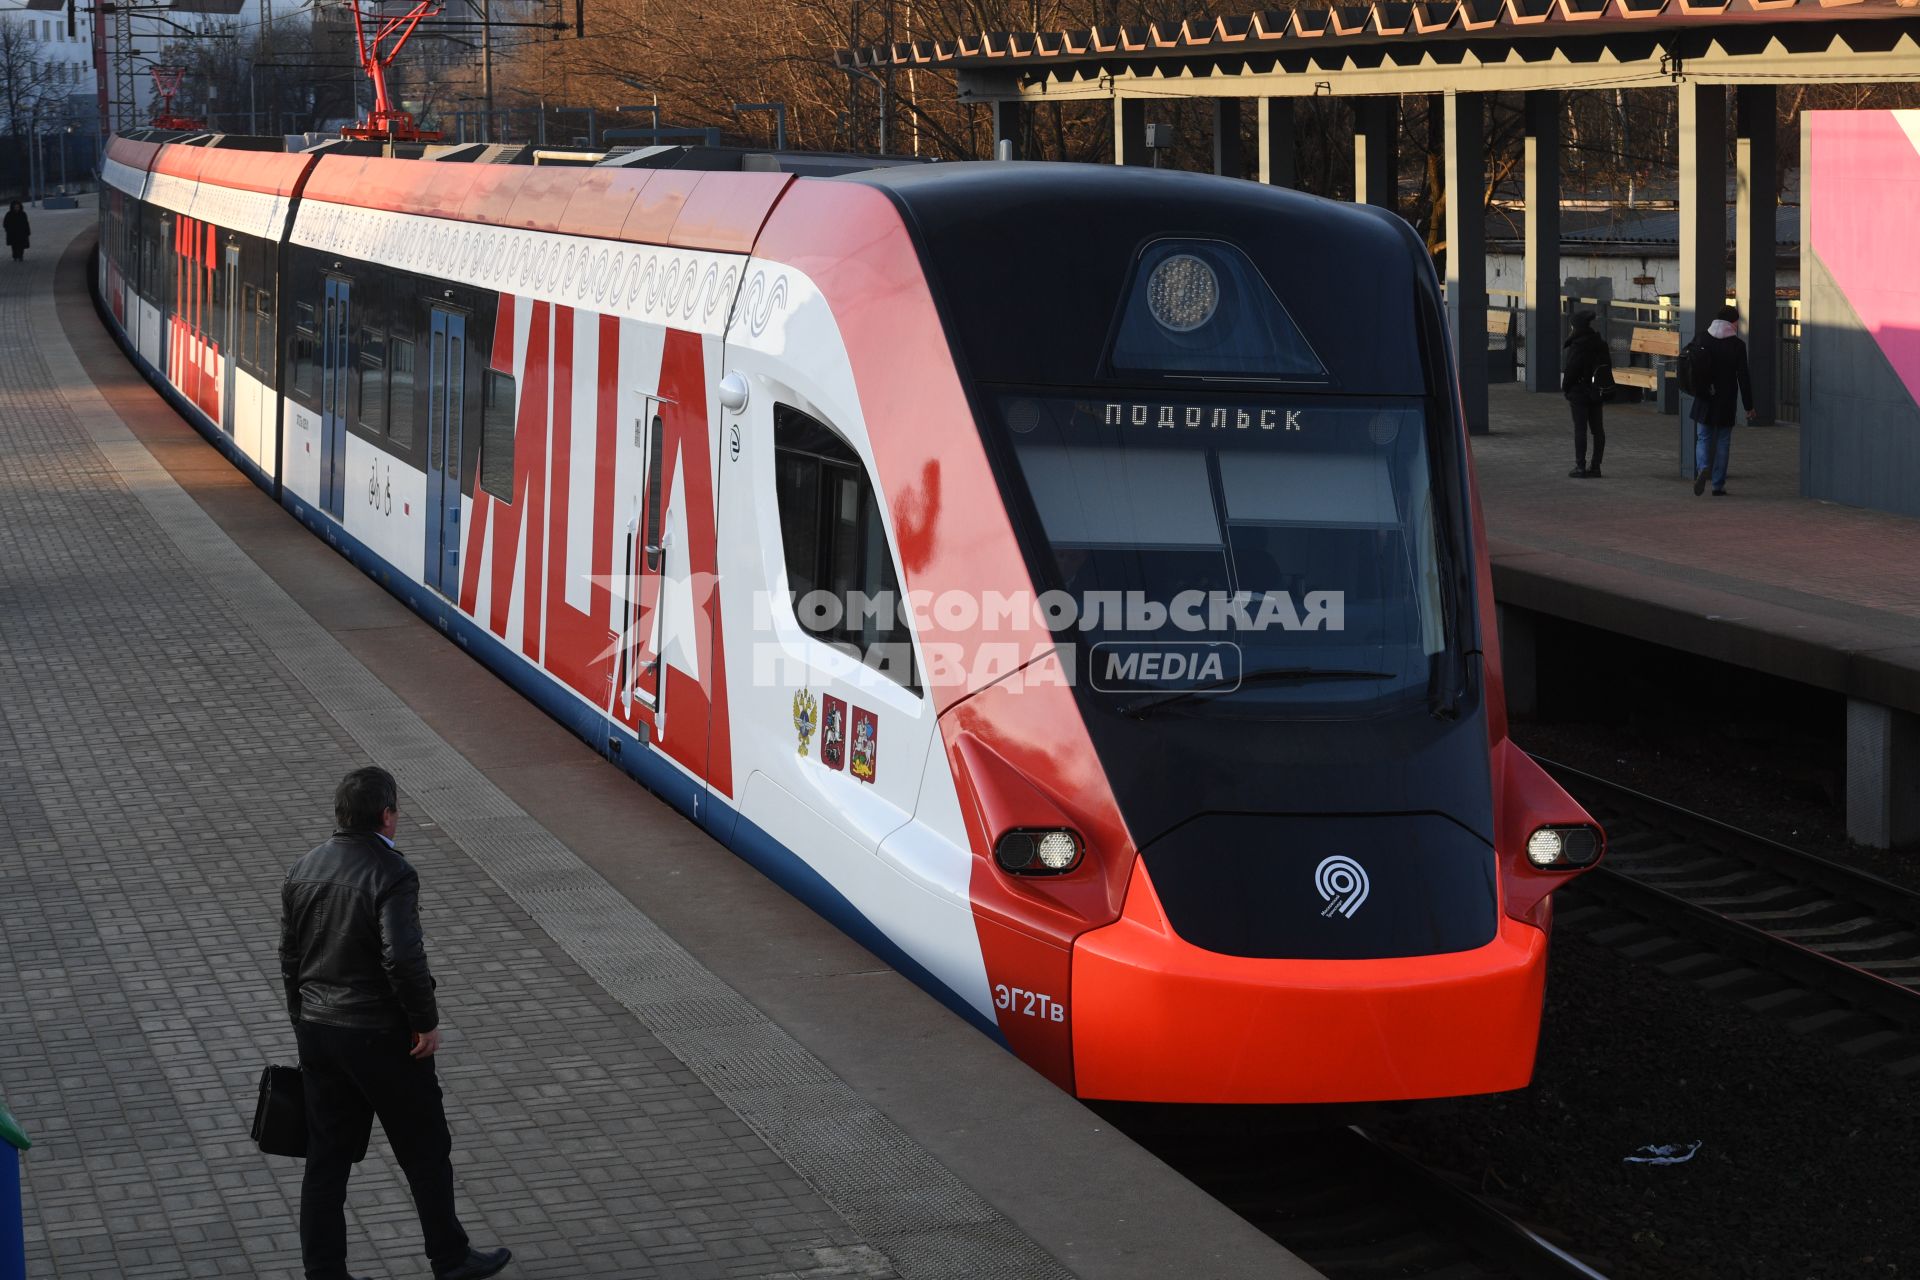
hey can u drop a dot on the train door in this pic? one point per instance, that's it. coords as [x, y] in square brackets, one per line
[336, 368]
[446, 403]
[230, 340]
[645, 546]
[833, 732]
[166, 277]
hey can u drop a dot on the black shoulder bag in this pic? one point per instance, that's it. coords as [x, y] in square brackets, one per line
[280, 1118]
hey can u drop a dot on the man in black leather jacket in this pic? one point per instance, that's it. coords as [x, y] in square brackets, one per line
[362, 1002]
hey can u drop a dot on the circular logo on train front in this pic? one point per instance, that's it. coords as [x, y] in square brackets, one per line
[1342, 883]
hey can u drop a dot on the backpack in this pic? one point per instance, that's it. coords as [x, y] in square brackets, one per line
[1694, 369]
[1601, 386]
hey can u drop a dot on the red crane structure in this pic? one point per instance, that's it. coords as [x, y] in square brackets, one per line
[385, 123]
[167, 81]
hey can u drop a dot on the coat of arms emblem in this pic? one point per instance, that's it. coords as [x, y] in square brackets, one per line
[866, 745]
[833, 731]
[804, 711]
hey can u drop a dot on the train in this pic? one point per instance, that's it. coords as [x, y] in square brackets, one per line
[1067, 579]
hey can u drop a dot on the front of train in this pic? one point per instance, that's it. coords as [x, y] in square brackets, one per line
[1225, 424]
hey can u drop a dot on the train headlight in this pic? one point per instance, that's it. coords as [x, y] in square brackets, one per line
[1038, 853]
[1183, 293]
[1564, 848]
[1544, 846]
[1058, 850]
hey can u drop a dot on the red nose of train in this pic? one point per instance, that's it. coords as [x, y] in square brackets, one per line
[1167, 1009]
[1158, 1018]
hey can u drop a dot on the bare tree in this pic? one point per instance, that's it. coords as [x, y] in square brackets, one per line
[26, 91]
[701, 56]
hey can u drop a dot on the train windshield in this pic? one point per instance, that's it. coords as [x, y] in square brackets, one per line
[1211, 557]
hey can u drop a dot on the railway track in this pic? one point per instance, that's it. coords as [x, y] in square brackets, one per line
[1356, 1209]
[1830, 950]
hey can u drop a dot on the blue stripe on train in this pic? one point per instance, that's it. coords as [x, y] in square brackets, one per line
[718, 817]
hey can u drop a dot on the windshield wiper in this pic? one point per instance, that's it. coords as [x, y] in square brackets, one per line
[1443, 685]
[1272, 675]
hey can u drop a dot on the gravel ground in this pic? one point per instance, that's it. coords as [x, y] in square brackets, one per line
[1809, 1164]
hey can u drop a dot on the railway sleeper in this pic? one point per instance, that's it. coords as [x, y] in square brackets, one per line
[1687, 965]
[1786, 1002]
[1831, 1017]
[1803, 911]
[1867, 944]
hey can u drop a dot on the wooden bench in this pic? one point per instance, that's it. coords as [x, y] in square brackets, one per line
[1502, 361]
[1661, 344]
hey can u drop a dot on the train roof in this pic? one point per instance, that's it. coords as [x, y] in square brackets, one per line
[1010, 249]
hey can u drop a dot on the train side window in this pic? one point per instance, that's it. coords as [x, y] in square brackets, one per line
[265, 349]
[372, 379]
[840, 574]
[305, 356]
[171, 265]
[156, 257]
[400, 392]
[215, 284]
[246, 348]
[496, 435]
[654, 499]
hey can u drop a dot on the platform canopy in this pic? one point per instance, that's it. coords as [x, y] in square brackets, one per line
[1462, 53]
[1479, 46]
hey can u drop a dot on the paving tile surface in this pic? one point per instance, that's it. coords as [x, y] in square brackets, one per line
[160, 767]
[1762, 542]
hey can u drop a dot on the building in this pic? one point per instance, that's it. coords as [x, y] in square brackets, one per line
[55, 62]
[1626, 255]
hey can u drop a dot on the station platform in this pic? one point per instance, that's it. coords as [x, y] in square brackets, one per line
[656, 1063]
[1813, 592]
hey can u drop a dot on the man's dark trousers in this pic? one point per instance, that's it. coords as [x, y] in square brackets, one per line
[351, 1076]
[1588, 416]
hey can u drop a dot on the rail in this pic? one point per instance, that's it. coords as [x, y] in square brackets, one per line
[1826, 927]
[1345, 1203]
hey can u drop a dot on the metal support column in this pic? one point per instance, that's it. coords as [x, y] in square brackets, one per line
[1276, 143]
[1228, 160]
[1130, 131]
[1010, 126]
[1542, 109]
[1465, 147]
[1810, 425]
[1519, 660]
[1376, 152]
[1703, 223]
[1756, 152]
[1883, 775]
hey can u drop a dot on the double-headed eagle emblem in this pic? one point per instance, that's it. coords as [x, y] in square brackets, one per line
[805, 709]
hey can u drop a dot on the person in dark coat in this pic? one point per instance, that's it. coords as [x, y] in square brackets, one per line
[1585, 352]
[17, 229]
[361, 997]
[1728, 386]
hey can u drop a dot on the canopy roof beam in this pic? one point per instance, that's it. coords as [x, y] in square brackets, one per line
[1860, 52]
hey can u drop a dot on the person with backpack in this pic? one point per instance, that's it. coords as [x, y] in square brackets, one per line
[1716, 367]
[1586, 381]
